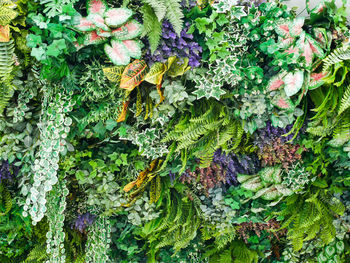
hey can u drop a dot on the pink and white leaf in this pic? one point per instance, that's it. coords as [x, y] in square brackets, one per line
[117, 16]
[293, 82]
[117, 53]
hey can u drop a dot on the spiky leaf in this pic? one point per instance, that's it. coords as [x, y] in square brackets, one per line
[7, 15]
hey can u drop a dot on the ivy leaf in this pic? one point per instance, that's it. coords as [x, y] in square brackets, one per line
[238, 12]
[56, 47]
[38, 53]
[33, 40]
[99, 128]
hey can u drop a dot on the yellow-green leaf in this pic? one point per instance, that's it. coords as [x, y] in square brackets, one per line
[113, 74]
[177, 67]
[155, 75]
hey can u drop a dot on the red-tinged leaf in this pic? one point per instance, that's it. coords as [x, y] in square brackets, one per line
[93, 38]
[85, 25]
[316, 80]
[282, 28]
[133, 75]
[103, 33]
[98, 21]
[283, 102]
[321, 36]
[120, 32]
[293, 82]
[4, 33]
[117, 53]
[96, 7]
[78, 46]
[296, 26]
[133, 47]
[124, 111]
[117, 16]
[276, 82]
[315, 47]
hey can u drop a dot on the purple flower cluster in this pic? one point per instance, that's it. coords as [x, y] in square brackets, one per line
[83, 221]
[173, 45]
[5, 171]
[234, 164]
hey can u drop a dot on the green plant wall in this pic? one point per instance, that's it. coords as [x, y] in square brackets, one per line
[174, 131]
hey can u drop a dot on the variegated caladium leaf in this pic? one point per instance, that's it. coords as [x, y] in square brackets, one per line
[117, 53]
[133, 75]
[282, 28]
[98, 20]
[103, 33]
[316, 80]
[276, 82]
[296, 26]
[133, 47]
[293, 82]
[85, 25]
[96, 7]
[129, 30]
[282, 101]
[117, 16]
[93, 38]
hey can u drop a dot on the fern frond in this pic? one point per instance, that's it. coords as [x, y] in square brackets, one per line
[6, 199]
[345, 101]
[6, 66]
[338, 55]
[152, 27]
[6, 15]
[174, 14]
[158, 7]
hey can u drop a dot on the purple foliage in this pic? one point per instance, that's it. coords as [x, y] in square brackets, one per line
[172, 177]
[234, 164]
[5, 171]
[270, 133]
[83, 221]
[250, 2]
[173, 45]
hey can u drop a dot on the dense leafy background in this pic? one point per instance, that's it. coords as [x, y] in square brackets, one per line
[174, 131]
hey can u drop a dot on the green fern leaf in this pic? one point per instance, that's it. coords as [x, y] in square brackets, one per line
[152, 27]
[174, 14]
[345, 102]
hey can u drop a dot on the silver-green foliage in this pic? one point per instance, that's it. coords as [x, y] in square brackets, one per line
[56, 206]
[54, 129]
[98, 242]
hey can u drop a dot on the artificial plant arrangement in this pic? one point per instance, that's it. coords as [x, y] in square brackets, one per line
[174, 131]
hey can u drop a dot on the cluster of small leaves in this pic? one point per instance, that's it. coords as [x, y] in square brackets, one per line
[56, 205]
[7, 171]
[207, 178]
[297, 178]
[234, 164]
[55, 127]
[99, 240]
[147, 141]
